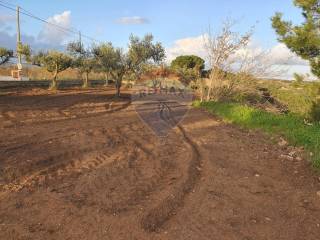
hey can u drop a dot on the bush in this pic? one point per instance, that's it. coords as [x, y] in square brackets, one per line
[315, 111]
[299, 78]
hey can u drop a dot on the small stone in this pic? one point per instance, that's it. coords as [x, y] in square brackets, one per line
[282, 142]
[254, 220]
[311, 154]
[318, 193]
[292, 154]
[286, 157]
[268, 219]
[257, 175]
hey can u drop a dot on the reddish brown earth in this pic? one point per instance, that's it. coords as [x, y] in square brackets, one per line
[82, 165]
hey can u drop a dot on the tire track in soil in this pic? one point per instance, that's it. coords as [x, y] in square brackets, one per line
[64, 117]
[159, 215]
[122, 185]
[59, 169]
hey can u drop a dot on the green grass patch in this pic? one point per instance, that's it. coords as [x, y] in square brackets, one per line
[297, 97]
[291, 127]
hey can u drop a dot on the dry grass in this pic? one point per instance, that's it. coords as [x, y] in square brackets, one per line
[37, 73]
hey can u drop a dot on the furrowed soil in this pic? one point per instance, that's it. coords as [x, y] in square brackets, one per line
[83, 165]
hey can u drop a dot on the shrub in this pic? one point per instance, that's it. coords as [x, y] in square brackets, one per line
[315, 111]
[299, 78]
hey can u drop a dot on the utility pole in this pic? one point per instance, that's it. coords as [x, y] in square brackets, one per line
[18, 39]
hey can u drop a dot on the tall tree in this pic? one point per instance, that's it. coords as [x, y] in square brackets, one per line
[303, 39]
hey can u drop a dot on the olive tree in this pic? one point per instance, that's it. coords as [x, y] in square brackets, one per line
[83, 60]
[144, 52]
[113, 61]
[120, 67]
[104, 57]
[54, 62]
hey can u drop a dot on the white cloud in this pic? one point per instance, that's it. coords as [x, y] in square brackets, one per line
[279, 55]
[8, 40]
[53, 35]
[4, 19]
[135, 20]
[187, 46]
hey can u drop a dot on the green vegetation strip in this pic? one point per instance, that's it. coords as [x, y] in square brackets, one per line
[291, 127]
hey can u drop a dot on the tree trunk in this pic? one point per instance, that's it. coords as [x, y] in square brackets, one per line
[210, 87]
[107, 79]
[54, 81]
[118, 86]
[86, 80]
[209, 91]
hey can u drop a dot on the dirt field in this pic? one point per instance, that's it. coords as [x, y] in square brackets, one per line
[82, 165]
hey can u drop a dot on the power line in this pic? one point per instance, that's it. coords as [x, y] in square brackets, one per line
[8, 3]
[65, 30]
[29, 14]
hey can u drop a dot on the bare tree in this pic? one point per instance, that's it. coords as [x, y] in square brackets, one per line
[220, 48]
[258, 64]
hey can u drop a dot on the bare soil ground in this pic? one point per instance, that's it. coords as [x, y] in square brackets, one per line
[83, 165]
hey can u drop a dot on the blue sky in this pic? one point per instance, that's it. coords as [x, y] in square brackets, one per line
[168, 20]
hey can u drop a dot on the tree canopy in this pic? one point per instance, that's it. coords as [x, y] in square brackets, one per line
[188, 62]
[143, 51]
[83, 60]
[114, 61]
[55, 62]
[106, 57]
[188, 67]
[303, 39]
